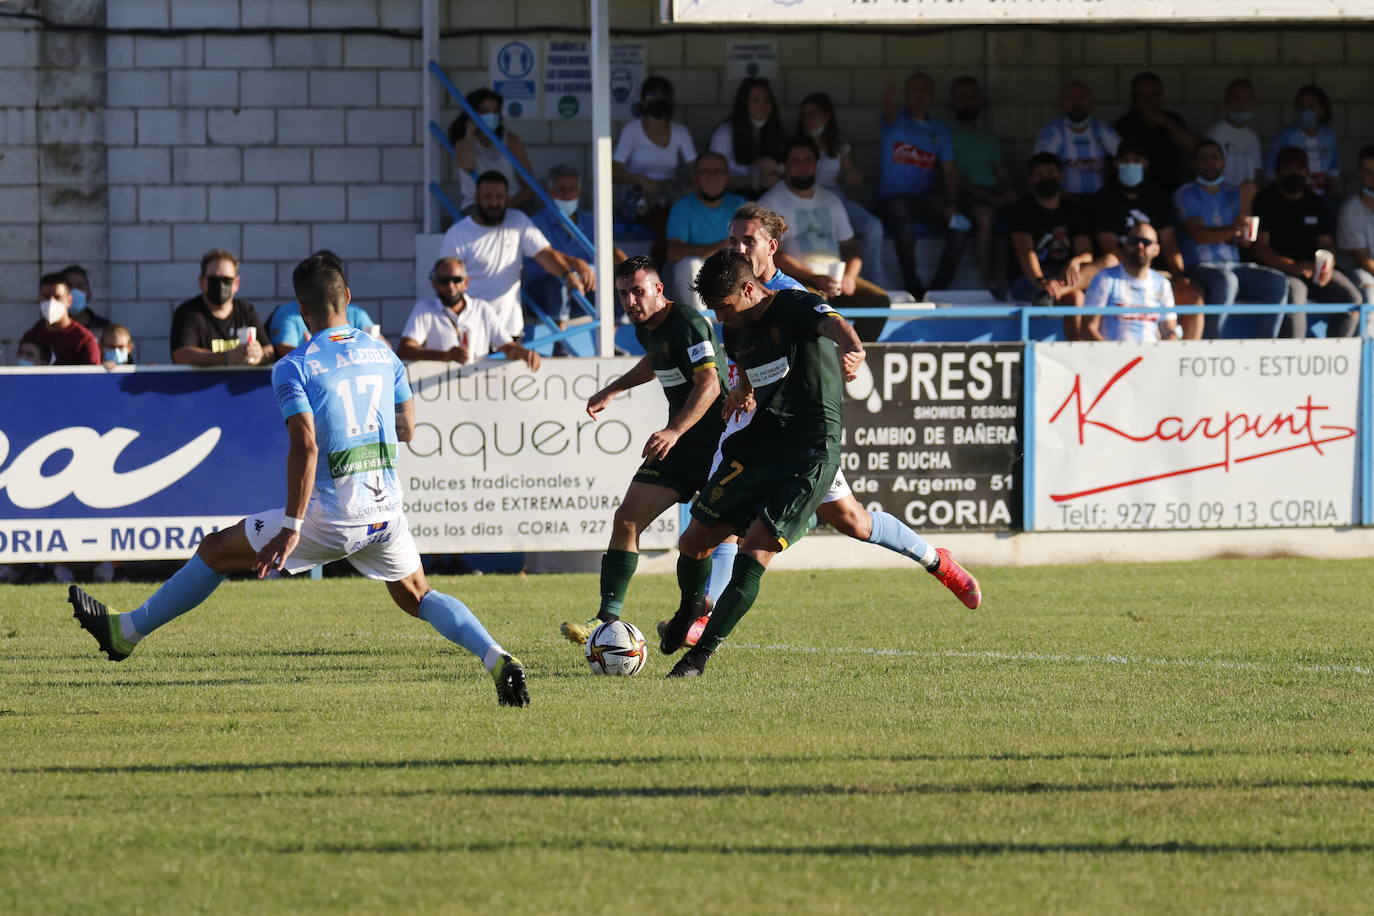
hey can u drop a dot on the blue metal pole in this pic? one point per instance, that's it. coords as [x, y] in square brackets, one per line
[1028, 435]
[1366, 424]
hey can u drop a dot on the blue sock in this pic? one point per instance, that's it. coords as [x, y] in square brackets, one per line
[722, 565]
[191, 585]
[889, 532]
[456, 623]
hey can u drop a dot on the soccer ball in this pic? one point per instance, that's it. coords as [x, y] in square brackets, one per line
[616, 647]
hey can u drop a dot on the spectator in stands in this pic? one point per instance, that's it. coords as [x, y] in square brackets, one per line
[1050, 240]
[116, 346]
[215, 328]
[1238, 139]
[1312, 134]
[1131, 200]
[649, 154]
[69, 342]
[1355, 231]
[919, 182]
[699, 225]
[1294, 224]
[1129, 283]
[453, 327]
[1212, 229]
[820, 250]
[80, 284]
[751, 139]
[491, 243]
[836, 171]
[476, 154]
[1084, 144]
[33, 353]
[1164, 137]
[984, 183]
[287, 328]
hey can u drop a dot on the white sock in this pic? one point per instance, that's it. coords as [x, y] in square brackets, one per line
[930, 559]
[493, 656]
[126, 628]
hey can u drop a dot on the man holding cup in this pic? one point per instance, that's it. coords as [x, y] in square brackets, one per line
[1296, 237]
[820, 249]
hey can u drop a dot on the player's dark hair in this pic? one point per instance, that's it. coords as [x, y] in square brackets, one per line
[52, 279]
[320, 287]
[770, 139]
[631, 266]
[722, 275]
[1044, 158]
[493, 177]
[326, 253]
[804, 142]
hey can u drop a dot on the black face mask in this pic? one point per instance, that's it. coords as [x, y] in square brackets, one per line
[967, 115]
[1046, 188]
[1292, 183]
[800, 184]
[660, 109]
[218, 290]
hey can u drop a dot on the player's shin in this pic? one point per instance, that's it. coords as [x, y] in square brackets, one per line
[453, 621]
[617, 568]
[191, 585]
[889, 532]
[735, 602]
[722, 568]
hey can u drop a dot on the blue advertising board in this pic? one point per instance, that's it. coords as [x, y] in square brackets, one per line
[134, 463]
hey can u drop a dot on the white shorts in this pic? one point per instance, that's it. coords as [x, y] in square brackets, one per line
[379, 550]
[839, 487]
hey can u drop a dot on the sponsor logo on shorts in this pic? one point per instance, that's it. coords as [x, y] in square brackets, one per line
[768, 373]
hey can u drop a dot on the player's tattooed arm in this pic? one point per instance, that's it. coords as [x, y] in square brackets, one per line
[642, 373]
[851, 349]
[405, 420]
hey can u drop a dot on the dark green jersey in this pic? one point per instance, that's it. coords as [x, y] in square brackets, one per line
[681, 346]
[795, 373]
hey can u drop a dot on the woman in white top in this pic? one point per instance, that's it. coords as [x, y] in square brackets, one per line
[751, 139]
[650, 150]
[836, 171]
[475, 154]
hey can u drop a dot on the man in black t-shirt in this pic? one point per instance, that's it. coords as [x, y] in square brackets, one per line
[1294, 225]
[1049, 233]
[1161, 134]
[214, 328]
[1127, 202]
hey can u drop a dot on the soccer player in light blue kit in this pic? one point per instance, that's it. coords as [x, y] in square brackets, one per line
[347, 405]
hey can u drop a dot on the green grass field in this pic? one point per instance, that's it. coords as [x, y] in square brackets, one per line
[1182, 738]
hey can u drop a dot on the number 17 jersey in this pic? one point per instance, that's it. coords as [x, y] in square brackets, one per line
[351, 383]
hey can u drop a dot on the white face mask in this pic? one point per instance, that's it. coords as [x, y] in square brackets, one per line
[569, 207]
[758, 123]
[52, 310]
[817, 132]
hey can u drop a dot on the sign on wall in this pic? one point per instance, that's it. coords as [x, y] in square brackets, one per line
[627, 71]
[751, 58]
[932, 434]
[946, 11]
[513, 68]
[505, 459]
[1206, 434]
[567, 79]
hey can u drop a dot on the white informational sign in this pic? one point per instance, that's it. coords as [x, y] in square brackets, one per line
[506, 459]
[1197, 434]
[627, 69]
[749, 58]
[513, 67]
[926, 12]
[567, 79]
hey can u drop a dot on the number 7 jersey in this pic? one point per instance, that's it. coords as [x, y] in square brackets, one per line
[351, 383]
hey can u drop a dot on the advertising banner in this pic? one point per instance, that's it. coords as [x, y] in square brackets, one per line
[133, 464]
[834, 12]
[932, 434]
[1204, 434]
[505, 459]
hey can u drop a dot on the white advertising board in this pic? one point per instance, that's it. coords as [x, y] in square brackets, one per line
[505, 459]
[1040, 11]
[1205, 434]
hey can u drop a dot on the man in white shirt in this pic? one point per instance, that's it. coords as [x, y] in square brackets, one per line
[453, 327]
[1132, 283]
[1240, 143]
[492, 242]
[1083, 144]
[819, 249]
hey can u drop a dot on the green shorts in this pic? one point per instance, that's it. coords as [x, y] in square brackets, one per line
[780, 492]
[684, 471]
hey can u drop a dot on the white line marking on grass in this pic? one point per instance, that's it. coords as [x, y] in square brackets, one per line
[1044, 657]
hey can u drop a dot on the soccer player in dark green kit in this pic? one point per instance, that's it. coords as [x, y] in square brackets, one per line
[682, 353]
[775, 471]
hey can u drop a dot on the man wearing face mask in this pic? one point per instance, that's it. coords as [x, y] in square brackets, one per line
[984, 183]
[1212, 230]
[70, 343]
[215, 328]
[454, 327]
[1162, 134]
[1294, 225]
[116, 346]
[1134, 200]
[699, 224]
[1355, 232]
[1084, 144]
[820, 249]
[1049, 239]
[1238, 139]
[80, 284]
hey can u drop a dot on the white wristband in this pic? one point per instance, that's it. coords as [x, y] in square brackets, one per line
[290, 523]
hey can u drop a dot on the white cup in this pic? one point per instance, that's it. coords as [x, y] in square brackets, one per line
[836, 271]
[1325, 262]
[1252, 229]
